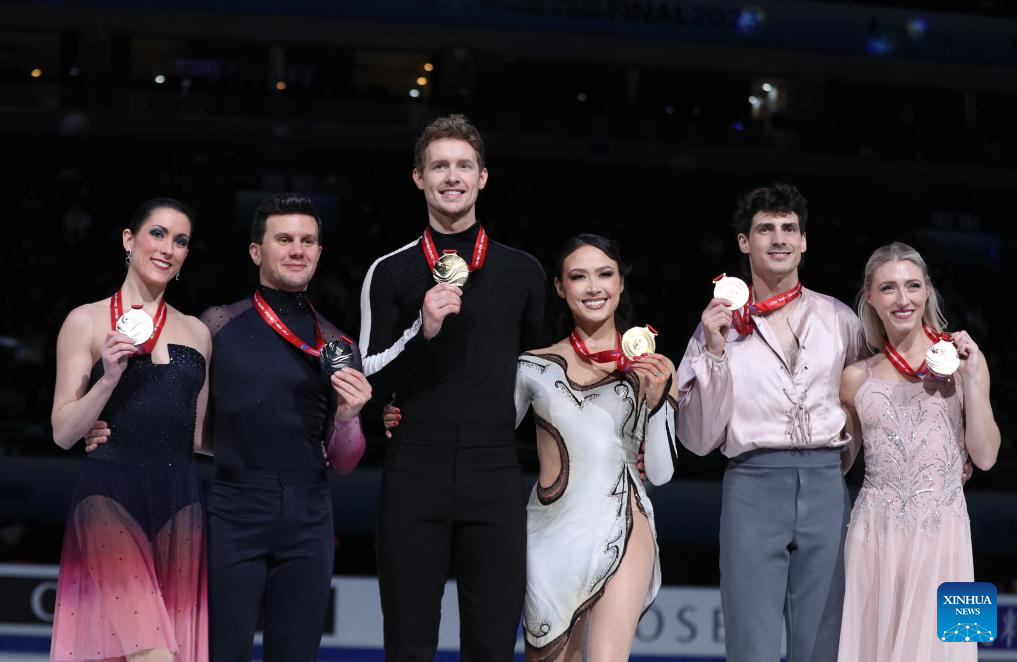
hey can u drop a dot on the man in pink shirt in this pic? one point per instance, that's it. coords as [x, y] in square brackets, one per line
[762, 385]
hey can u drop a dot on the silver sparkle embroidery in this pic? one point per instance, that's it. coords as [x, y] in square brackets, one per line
[914, 453]
[799, 424]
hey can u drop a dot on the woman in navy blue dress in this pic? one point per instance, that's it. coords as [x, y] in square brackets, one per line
[132, 572]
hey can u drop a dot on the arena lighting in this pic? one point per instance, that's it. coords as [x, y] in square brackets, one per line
[738, 126]
[767, 87]
[159, 79]
[414, 93]
[280, 85]
[669, 109]
[582, 96]
[750, 20]
[75, 71]
[37, 73]
[428, 66]
[422, 81]
[917, 27]
[754, 100]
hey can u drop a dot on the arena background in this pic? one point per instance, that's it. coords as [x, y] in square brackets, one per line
[642, 120]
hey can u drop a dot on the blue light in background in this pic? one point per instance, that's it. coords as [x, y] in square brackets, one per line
[917, 27]
[880, 44]
[750, 20]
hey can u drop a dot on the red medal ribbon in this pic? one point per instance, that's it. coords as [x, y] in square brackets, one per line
[617, 355]
[743, 318]
[479, 249]
[279, 327]
[902, 365]
[116, 311]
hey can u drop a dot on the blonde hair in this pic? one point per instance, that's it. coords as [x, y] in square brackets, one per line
[875, 332]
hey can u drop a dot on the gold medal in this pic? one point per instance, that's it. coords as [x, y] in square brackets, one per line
[639, 340]
[451, 269]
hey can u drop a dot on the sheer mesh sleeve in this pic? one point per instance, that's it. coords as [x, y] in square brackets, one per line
[216, 317]
[332, 332]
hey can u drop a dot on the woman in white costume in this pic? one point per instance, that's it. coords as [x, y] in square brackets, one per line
[592, 557]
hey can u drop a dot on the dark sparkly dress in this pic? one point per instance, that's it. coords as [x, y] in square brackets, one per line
[132, 571]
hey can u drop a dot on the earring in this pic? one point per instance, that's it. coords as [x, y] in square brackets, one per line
[177, 277]
[127, 259]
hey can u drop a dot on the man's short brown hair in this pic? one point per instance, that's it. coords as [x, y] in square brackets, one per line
[454, 126]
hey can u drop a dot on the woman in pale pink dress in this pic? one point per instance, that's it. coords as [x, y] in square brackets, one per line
[909, 528]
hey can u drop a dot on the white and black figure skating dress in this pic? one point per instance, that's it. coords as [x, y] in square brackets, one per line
[578, 527]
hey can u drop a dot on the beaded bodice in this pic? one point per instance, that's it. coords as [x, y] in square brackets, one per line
[153, 409]
[914, 454]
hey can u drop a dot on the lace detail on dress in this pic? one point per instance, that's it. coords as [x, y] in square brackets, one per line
[914, 453]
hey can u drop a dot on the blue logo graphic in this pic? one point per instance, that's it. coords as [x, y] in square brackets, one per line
[966, 612]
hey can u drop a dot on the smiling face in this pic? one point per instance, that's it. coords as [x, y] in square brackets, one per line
[288, 253]
[774, 244]
[159, 247]
[591, 285]
[451, 179]
[898, 293]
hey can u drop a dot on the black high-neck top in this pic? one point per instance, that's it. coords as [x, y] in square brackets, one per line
[457, 388]
[271, 405]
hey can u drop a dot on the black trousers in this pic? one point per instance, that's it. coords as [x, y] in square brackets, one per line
[455, 506]
[271, 550]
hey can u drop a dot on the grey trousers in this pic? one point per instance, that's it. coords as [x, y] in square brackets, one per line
[783, 520]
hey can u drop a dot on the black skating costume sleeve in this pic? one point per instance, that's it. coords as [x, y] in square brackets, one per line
[460, 384]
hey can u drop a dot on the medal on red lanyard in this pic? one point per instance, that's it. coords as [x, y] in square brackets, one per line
[142, 329]
[743, 318]
[449, 267]
[940, 361]
[333, 356]
[617, 354]
[336, 355]
[731, 288]
[279, 327]
[639, 340]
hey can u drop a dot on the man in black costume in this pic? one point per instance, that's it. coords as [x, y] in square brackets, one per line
[451, 493]
[278, 414]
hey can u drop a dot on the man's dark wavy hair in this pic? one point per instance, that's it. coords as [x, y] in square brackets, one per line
[777, 198]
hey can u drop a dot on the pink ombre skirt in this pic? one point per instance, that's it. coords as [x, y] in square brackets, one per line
[133, 569]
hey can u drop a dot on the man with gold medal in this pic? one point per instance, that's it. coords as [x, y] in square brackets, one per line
[443, 319]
